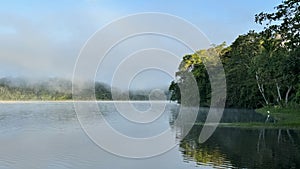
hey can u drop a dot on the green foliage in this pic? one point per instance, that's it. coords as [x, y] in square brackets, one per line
[102, 91]
[194, 64]
[259, 71]
[284, 22]
[285, 117]
[262, 69]
[175, 92]
[237, 61]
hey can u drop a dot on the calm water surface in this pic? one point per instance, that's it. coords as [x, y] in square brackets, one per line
[48, 136]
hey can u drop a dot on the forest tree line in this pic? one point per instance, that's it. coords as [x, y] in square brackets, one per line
[261, 68]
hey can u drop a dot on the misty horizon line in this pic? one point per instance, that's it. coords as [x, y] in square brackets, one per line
[31, 81]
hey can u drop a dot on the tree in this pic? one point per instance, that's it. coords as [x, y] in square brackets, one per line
[175, 92]
[194, 63]
[242, 83]
[283, 39]
[262, 69]
[284, 22]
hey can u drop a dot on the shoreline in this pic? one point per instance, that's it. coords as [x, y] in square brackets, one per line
[77, 101]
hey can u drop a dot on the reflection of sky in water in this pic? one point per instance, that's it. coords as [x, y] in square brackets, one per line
[138, 130]
[48, 135]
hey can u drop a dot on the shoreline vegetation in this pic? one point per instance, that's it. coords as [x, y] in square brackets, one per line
[255, 125]
[282, 118]
[262, 69]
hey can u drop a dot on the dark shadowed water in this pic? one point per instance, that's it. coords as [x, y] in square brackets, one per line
[49, 136]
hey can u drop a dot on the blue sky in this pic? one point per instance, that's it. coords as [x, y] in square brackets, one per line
[43, 38]
[221, 20]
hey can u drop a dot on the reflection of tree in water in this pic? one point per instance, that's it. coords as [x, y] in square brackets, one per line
[203, 155]
[228, 116]
[244, 148]
[191, 149]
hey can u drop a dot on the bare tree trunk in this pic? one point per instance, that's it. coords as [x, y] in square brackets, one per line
[278, 92]
[287, 95]
[261, 89]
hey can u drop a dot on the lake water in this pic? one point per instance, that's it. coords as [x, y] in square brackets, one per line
[49, 136]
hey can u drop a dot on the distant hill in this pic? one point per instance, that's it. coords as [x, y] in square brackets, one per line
[24, 89]
[61, 89]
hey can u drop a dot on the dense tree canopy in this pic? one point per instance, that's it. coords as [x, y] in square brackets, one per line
[262, 68]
